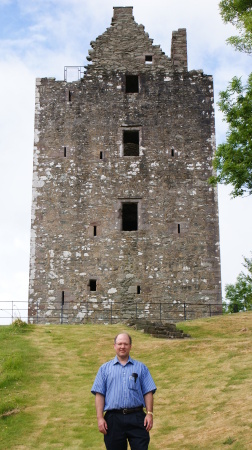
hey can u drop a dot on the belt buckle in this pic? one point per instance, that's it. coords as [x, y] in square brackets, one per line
[124, 411]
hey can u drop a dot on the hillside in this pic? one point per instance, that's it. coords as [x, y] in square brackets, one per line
[203, 400]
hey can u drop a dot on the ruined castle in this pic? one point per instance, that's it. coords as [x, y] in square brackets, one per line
[124, 221]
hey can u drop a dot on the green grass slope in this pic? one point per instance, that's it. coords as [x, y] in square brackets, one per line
[203, 401]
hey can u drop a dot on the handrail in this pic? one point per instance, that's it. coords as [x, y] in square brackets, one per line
[106, 311]
[79, 72]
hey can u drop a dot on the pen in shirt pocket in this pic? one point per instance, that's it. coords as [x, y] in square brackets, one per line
[134, 375]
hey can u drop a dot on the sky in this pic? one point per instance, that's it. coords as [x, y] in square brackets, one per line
[37, 39]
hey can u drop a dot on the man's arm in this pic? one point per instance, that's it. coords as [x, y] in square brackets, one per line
[99, 405]
[148, 421]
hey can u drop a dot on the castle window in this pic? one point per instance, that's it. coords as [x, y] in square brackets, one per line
[132, 84]
[172, 152]
[62, 298]
[69, 96]
[148, 59]
[92, 285]
[101, 155]
[131, 143]
[65, 149]
[178, 228]
[95, 230]
[129, 216]
[138, 289]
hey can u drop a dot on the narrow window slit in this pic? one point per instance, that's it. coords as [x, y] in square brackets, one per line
[92, 285]
[138, 289]
[178, 228]
[65, 151]
[101, 155]
[62, 298]
[69, 96]
[172, 152]
[95, 230]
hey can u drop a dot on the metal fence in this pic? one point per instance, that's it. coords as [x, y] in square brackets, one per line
[73, 73]
[94, 311]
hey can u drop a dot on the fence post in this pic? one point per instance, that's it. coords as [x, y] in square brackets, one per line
[184, 311]
[62, 305]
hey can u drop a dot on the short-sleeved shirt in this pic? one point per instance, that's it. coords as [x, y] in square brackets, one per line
[123, 386]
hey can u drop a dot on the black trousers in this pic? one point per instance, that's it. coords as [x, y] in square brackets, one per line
[123, 427]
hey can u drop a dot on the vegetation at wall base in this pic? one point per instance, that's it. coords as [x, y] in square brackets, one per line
[239, 295]
[204, 384]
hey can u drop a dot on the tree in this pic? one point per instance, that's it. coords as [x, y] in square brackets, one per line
[233, 159]
[239, 13]
[239, 295]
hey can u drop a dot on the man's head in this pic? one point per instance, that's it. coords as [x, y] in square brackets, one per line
[122, 346]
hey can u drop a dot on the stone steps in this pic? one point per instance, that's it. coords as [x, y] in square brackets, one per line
[158, 329]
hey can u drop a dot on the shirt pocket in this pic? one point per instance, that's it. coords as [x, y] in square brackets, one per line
[133, 383]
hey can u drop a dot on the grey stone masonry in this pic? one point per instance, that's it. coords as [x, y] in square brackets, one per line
[123, 217]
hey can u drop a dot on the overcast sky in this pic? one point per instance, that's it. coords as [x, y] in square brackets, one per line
[37, 39]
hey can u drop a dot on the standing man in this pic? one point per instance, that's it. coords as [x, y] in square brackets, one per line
[122, 388]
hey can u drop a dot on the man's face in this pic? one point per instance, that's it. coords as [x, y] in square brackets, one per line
[122, 346]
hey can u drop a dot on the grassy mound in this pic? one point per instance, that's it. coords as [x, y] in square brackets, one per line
[204, 384]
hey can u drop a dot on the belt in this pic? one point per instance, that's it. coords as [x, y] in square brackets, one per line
[125, 410]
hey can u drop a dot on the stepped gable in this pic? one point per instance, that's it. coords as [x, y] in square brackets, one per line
[125, 45]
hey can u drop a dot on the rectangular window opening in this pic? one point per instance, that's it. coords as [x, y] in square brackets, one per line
[138, 289]
[62, 298]
[148, 59]
[95, 230]
[101, 155]
[92, 285]
[132, 84]
[131, 142]
[178, 228]
[69, 96]
[129, 216]
[172, 152]
[65, 151]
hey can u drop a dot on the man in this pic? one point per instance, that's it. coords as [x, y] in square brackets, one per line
[122, 387]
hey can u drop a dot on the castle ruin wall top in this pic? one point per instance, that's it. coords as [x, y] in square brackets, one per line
[126, 46]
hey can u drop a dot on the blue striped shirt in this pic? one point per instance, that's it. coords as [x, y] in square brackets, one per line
[123, 386]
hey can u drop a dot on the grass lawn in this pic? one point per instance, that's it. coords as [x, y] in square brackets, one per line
[203, 401]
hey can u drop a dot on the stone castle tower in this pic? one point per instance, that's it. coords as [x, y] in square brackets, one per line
[123, 218]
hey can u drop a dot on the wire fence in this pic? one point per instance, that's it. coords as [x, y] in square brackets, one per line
[94, 311]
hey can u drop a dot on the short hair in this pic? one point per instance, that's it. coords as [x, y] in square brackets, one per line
[127, 334]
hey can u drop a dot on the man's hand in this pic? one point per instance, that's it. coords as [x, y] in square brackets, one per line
[102, 425]
[148, 422]
[99, 404]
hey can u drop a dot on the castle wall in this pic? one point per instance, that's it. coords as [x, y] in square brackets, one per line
[83, 183]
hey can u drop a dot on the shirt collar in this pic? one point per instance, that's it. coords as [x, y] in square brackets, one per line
[116, 361]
